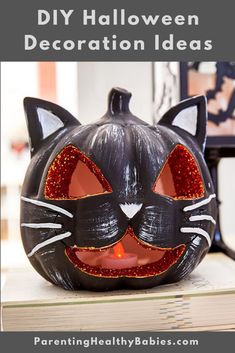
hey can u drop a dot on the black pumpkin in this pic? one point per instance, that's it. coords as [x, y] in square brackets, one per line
[120, 182]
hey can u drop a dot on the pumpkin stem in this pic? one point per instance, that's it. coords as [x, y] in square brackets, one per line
[118, 101]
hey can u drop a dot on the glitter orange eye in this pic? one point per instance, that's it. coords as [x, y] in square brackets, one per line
[72, 175]
[180, 177]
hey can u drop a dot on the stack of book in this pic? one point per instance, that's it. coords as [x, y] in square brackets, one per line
[203, 301]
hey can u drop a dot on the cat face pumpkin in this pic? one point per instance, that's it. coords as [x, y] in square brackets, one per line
[116, 184]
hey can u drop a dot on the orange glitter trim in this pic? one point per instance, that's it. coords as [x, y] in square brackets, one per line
[170, 257]
[186, 175]
[61, 170]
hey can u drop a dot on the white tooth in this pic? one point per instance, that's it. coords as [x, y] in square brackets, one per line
[130, 209]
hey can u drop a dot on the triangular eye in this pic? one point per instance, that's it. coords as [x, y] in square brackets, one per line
[72, 175]
[180, 178]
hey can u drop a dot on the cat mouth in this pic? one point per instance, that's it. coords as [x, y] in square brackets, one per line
[129, 257]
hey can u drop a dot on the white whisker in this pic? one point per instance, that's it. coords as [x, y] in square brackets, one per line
[47, 205]
[48, 241]
[42, 225]
[202, 218]
[196, 230]
[199, 204]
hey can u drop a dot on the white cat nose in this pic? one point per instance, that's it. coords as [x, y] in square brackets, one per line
[130, 209]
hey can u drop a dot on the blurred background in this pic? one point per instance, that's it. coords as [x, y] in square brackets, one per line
[82, 88]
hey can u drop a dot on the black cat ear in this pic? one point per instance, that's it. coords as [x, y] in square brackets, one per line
[45, 119]
[189, 115]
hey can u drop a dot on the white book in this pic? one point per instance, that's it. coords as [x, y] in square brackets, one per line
[203, 301]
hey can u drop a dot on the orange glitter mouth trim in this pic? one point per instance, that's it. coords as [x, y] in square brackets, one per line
[169, 256]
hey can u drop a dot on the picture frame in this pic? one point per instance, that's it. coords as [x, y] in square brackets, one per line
[216, 80]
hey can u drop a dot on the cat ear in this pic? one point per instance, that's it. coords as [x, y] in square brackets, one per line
[189, 115]
[45, 119]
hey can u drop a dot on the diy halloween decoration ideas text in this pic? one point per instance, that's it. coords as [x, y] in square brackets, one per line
[113, 42]
[118, 203]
